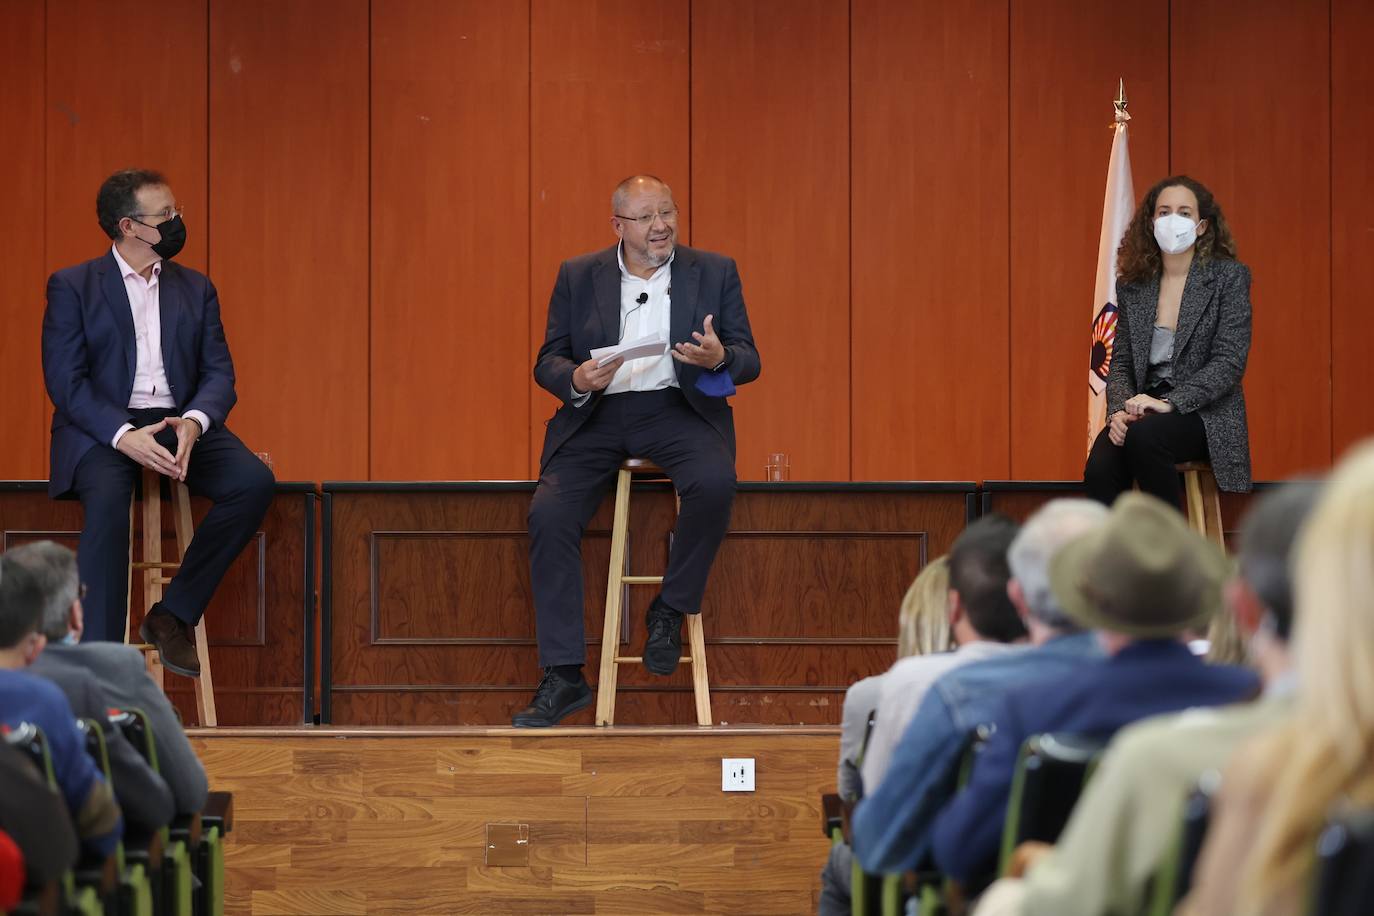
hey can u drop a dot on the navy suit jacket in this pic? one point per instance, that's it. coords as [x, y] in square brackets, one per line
[584, 312]
[89, 355]
[1144, 679]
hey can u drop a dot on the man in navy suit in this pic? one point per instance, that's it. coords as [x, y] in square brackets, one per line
[1142, 581]
[670, 408]
[139, 375]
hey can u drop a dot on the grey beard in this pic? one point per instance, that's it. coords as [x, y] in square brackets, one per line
[658, 261]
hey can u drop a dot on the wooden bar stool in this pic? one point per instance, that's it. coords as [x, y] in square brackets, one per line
[615, 592]
[1227, 645]
[1204, 501]
[153, 571]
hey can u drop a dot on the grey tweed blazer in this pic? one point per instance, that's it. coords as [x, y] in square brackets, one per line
[1211, 346]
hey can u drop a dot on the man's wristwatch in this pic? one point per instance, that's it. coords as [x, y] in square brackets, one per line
[725, 361]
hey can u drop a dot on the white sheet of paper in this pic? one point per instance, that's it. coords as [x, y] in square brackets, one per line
[650, 345]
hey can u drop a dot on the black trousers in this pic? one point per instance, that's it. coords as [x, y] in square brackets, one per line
[1154, 444]
[222, 469]
[662, 427]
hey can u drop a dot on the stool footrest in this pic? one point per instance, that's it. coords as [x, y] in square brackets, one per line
[641, 580]
[638, 659]
[163, 565]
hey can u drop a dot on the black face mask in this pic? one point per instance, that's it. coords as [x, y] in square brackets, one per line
[173, 237]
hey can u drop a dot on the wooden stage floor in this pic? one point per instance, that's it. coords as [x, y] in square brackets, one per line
[627, 820]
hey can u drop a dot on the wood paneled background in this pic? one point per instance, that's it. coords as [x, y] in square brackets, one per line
[383, 190]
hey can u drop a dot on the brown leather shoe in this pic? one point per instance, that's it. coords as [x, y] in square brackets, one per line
[169, 634]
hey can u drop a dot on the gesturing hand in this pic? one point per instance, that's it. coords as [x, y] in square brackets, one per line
[140, 445]
[589, 377]
[188, 431]
[707, 352]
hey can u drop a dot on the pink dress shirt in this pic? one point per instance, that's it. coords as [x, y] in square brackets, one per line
[150, 375]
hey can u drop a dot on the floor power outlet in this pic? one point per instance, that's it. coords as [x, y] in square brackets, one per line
[737, 774]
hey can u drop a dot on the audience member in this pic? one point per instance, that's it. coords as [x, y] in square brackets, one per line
[119, 674]
[1141, 579]
[1279, 788]
[1130, 812]
[982, 620]
[922, 629]
[35, 818]
[891, 827]
[142, 794]
[25, 698]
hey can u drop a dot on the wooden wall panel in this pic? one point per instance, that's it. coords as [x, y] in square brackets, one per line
[431, 615]
[1352, 220]
[256, 619]
[123, 92]
[21, 282]
[450, 362]
[287, 82]
[594, 67]
[770, 187]
[1250, 118]
[929, 252]
[1066, 58]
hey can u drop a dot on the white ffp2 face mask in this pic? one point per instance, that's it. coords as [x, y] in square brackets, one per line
[1175, 233]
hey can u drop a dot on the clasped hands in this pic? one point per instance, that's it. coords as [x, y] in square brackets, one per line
[1134, 409]
[707, 353]
[142, 446]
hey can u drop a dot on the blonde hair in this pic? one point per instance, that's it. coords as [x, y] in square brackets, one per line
[1324, 753]
[923, 622]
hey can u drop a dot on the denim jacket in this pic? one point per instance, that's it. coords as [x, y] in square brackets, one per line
[891, 827]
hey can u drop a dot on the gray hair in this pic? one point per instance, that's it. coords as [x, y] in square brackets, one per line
[1050, 528]
[622, 190]
[53, 567]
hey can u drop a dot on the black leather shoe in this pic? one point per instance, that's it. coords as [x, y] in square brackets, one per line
[555, 699]
[170, 635]
[663, 647]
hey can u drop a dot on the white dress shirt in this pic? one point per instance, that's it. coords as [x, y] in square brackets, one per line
[636, 321]
[150, 374]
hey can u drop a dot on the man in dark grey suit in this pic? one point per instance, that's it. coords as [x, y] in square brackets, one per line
[669, 407]
[117, 675]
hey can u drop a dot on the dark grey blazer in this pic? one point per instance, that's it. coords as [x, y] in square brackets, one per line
[1211, 346]
[584, 312]
[142, 794]
[120, 672]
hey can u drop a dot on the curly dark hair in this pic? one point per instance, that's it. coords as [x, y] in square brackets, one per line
[1139, 257]
[116, 198]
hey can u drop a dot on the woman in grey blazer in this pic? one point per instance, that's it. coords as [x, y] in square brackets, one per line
[1182, 340]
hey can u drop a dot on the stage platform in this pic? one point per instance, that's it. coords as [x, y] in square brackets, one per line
[625, 820]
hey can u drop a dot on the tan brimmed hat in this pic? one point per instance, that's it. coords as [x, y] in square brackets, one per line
[1143, 573]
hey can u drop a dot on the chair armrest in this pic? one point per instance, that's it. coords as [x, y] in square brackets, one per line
[186, 827]
[218, 812]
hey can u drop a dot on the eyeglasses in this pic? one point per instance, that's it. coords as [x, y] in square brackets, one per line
[166, 213]
[647, 219]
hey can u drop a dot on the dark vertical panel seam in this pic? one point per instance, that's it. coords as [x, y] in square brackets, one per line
[849, 77]
[1168, 88]
[529, 221]
[1331, 230]
[691, 108]
[43, 121]
[1007, 137]
[371, 227]
[209, 200]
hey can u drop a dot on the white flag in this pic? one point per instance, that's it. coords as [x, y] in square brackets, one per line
[1117, 208]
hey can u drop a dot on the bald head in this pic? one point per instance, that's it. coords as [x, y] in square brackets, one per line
[648, 184]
